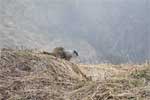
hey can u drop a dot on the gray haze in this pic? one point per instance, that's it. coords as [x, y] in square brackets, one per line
[112, 31]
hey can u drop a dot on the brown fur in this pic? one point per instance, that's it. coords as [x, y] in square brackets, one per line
[59, 52]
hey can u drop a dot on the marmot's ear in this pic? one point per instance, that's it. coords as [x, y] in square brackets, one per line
[75, 52]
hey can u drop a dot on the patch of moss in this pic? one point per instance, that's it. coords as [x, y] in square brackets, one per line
[23, 53]
[145, 73]
[137, 82]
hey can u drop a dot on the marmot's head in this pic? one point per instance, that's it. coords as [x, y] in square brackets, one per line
[75, 53]
[70, 54]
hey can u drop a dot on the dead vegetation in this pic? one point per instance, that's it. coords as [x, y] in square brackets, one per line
[25, 75]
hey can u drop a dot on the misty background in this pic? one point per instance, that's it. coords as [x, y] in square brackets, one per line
[110, 31]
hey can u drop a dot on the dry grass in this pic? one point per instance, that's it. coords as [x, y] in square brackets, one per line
[25, 75]
[120, 82]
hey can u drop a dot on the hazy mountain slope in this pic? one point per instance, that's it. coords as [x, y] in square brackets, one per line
[117, 31]
[24, 23]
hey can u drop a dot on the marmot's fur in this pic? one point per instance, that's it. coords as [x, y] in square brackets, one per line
[61, 53]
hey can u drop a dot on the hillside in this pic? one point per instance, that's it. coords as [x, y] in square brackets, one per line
[27, 75]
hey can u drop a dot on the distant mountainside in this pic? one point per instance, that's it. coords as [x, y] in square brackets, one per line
[102, 31]
[18, 28]
[11, 38]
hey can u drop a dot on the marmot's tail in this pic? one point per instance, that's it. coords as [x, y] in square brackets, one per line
[48, 53]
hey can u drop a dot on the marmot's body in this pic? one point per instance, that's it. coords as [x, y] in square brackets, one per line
[61, 53]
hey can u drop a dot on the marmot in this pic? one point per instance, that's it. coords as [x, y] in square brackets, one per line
[60, 52]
